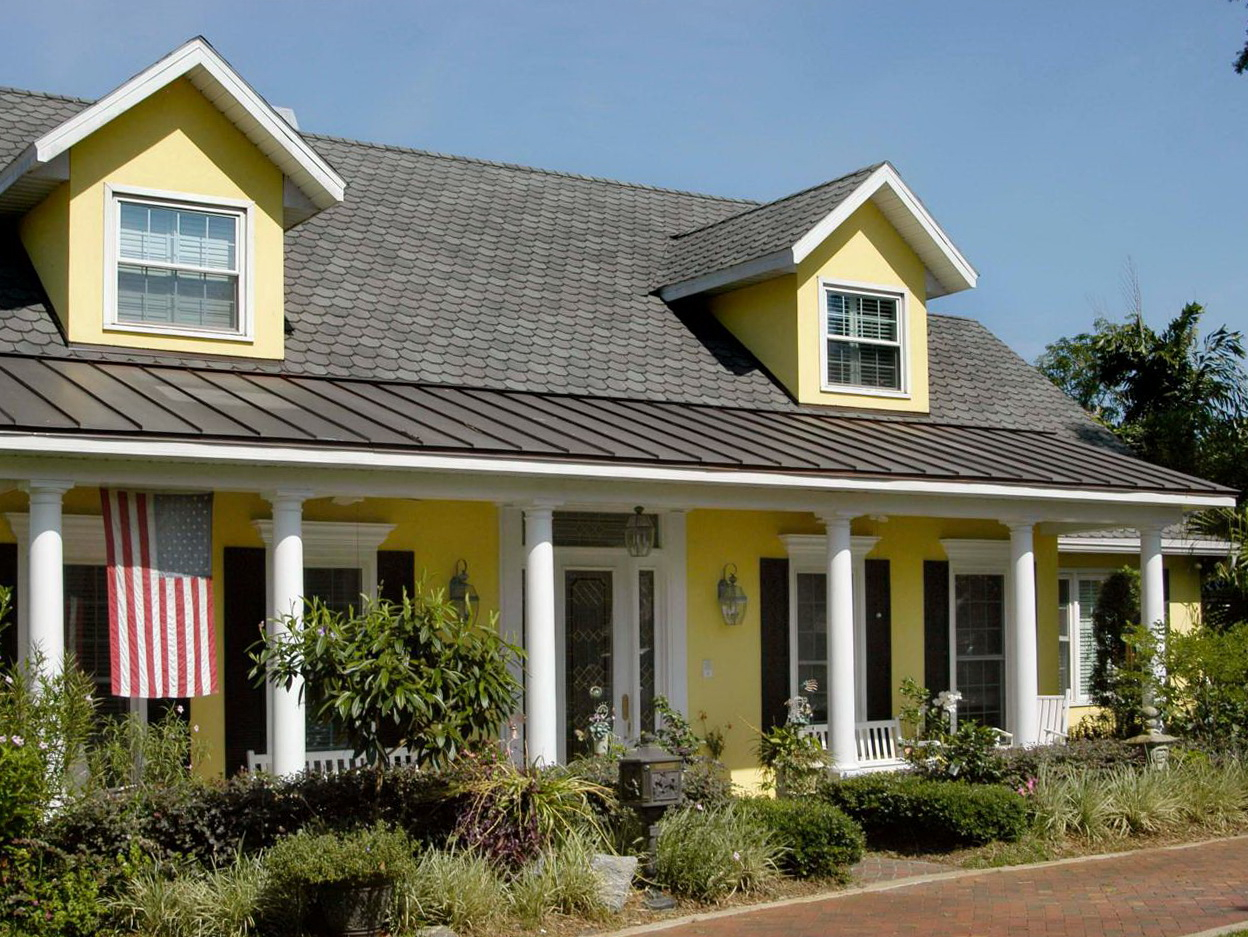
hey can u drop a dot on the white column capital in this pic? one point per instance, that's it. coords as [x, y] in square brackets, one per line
[1021, 524]
[1149, 532]
[836, 519]
[44, 488]
[287, 497]
[541, 506]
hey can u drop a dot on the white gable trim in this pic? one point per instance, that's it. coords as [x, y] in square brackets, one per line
[1130, 546]
[227, 90]
[903, 208]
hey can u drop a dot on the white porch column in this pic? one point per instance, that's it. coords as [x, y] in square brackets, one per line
[1153, 590]
[541, 695]
[287, 742]
[45, 593]
[841, 690]
[1023, 678]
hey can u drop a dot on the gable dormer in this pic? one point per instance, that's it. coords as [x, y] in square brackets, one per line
[828, 288]
[155, 217]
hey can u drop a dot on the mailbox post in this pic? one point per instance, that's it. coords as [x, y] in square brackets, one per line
[650, 782]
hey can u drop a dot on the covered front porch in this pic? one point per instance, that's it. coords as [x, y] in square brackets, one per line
[854, 585]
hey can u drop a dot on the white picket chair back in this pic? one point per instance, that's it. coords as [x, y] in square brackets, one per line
[327, 762]
[877, 742]
[1054, 719]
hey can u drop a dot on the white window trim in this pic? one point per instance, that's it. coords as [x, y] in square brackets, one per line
[1072, 612]
[972, 558]
[243, 209]
[808, 553]
[903, 333]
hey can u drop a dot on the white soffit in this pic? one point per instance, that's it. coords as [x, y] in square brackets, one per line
[198, 62]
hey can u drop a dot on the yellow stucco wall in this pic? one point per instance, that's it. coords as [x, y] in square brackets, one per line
[780, 320]
[176, 142]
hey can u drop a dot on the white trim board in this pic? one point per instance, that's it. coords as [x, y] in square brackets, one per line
[1170, 546]
[199, 62]
[78, 447]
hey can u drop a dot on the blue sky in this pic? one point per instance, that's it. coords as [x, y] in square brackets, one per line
[1052, 140]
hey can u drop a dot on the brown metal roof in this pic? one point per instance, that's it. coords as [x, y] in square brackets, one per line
[46, 395]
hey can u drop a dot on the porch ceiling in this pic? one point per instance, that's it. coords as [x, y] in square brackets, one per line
[62, 397]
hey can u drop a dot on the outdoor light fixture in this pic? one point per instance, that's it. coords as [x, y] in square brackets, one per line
[732, 598]
[639, 533]
[462, 593]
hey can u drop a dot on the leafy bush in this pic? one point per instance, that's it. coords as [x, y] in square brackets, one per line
[942, 752]
[22, 788]
[132, 751]
[711, 854]
[911, 812]
[1122, 673]
[820, 841]
[457, 888]
[46, 892]
[416, 669]
[211, 822]
[562, 881]
[1207, 695]
[793, 761]
[1019, 766]
[674, 733]
[513, 814]
[189, 901]
[707, 782]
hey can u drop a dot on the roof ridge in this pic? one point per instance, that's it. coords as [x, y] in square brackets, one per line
[501, 164]
[46, 94]
[759, 206]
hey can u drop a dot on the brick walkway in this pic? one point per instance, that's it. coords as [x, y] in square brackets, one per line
[875, 868]
[1150, 893]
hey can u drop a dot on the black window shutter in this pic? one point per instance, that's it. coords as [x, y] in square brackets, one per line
[773, 607]
[8, 627]
[936, 625]
[396, 572]
[246, 606]
[879, 649]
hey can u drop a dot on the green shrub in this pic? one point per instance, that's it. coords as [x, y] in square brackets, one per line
[711, 854]
[45, 892]
[562, 881]
[22, 788]
[820, 841]
[211, 822]
[1021, 765]
[459, 889]
[1207, 694]
[416, 671]
[910, 812]
[132, 751]
[707, 782]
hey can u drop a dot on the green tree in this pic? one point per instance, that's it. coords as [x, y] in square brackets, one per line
[414, 673]
[1241, 60]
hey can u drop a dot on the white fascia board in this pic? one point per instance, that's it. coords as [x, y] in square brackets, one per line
[330, 458]
[321, 184]
[1170, 546]
[760, 268]
[960, 275]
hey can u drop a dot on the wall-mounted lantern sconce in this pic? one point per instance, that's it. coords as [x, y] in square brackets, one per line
[463, 594]
[732, 598]
[639, 533]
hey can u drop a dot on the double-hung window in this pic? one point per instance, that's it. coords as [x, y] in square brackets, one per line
[1077, 594]
[178, 267]
[863, 334]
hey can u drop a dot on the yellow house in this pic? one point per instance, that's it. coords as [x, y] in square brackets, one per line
[605, 403]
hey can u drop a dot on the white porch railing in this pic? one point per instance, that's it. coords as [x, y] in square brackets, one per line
[328, 762]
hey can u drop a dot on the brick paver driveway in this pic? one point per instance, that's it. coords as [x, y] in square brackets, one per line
[1150, 893]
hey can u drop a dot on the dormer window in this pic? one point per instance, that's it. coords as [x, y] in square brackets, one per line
[863, 340]
[177, 266]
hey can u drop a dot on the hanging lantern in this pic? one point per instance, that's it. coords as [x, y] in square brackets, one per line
[639, 533]
[463, 594]
[732, 598]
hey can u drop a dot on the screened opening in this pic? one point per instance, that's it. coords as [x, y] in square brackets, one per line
[594, 528]
[863, 336]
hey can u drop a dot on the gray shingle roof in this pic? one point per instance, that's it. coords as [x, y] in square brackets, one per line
[757, 231]
[447, 270]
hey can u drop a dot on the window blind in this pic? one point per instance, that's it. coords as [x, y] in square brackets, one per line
[863, 341]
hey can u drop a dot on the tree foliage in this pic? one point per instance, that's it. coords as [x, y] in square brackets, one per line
[413, 673]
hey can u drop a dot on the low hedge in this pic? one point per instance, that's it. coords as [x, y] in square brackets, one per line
[820, 840]
[211, 822]
[902, 811]
[1019, 765]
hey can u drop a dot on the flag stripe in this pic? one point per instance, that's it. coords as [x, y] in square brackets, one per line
[161, 641]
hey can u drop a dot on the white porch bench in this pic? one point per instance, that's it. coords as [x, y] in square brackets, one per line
[327, 762]
[878, 742]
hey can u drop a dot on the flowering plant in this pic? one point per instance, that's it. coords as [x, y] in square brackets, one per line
[600, 723]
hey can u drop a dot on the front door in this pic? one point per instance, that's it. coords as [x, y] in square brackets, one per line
[609, 632]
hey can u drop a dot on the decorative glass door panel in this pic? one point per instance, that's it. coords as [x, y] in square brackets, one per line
[590, 641]
[979, 641]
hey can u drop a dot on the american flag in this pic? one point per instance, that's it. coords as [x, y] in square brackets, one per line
[160, 635]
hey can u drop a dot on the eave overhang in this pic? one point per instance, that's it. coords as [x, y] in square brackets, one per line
[312, 184]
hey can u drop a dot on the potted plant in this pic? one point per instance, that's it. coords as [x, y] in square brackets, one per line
[794, 757]
[337, 884]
